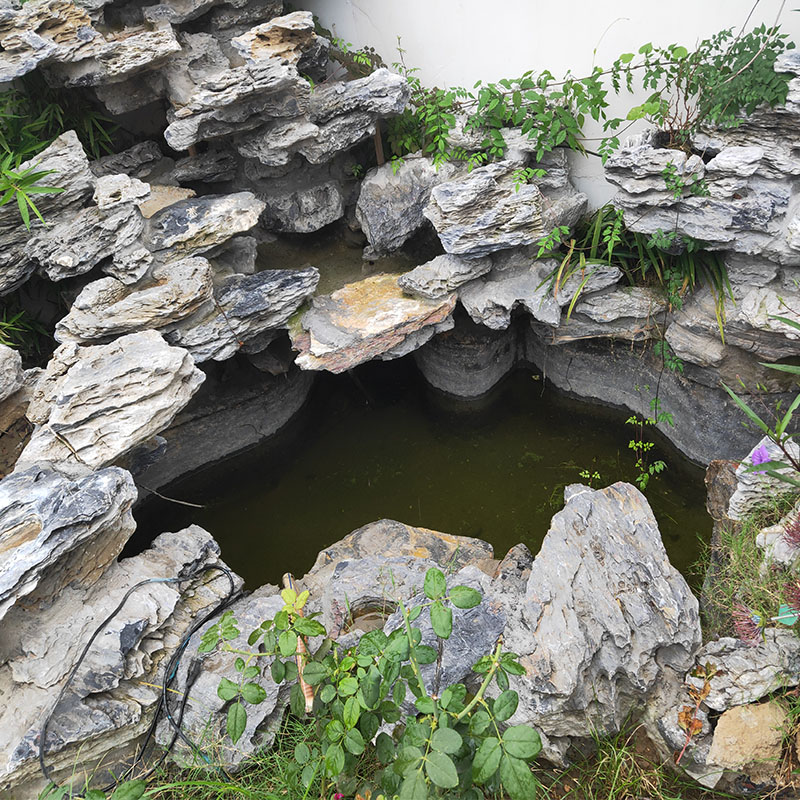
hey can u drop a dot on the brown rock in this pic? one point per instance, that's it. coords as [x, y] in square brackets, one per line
[750, 739]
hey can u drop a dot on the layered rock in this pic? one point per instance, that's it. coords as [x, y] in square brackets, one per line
[93, 404]
[369, 319]
[442, 275]
[11, 375]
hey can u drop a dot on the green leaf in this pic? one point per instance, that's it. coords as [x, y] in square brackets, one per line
[347, 686]
[277, 670]
[446, 740]
[94, 794]
[328, 693]
[747, 410]
[309, 627]
[132, 790]
[505, 705]
[384, 748]
[253, 693]
[479, 722]
[368, 724]
[372, 643]
[351, 713]
[487, 760]
[441, 620]
[302, 753]
[407, 759]
[522, 741]
[227, 689]
[334, 730]
[626, 58]
[425, 654]
[414, 787]
[465, 597]
[297, 701]
[371, 687]
[354, 742]
[334, 760]
[314, 673]
[441, 770]
[435, 584]
[680, 52]
[287, 643]
[237, 721]
[424, 705]
[517, 778]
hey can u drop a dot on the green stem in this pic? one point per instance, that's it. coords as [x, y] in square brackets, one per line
[485, 685]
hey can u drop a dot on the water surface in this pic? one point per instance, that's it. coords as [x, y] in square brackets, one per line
[382, 443]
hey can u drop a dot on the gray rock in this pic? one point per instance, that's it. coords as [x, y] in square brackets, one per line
[57, 532]
[138, 161]
[485, 211]
[212, 166]
[390, 204]
[11, 375]
[364, 320]
[244, 306]
[107, 308]
[443, 275]
[236, 256]
[288, 38]
[93, 404]
[603, 616]
[110, 703]
[305, 209]
[193, 226]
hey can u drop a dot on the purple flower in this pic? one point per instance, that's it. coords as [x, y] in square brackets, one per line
[760, 456]
[746, 624]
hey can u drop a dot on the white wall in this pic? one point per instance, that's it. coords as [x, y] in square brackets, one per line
[457, 42]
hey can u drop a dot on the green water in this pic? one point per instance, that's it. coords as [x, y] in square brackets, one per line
[386, 445]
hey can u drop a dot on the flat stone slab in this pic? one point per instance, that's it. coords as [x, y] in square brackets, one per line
[368, 319]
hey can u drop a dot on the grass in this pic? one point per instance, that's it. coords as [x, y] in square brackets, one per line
[740, 581]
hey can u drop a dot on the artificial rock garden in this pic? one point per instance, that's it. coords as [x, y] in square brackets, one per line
[157, 250]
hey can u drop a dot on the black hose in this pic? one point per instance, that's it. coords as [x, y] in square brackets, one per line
[169, 676]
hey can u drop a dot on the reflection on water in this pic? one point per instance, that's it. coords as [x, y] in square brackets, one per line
[387, 445]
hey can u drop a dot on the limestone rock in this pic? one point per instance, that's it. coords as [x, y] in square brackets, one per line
[304, 209]
[109, 705]
[390, 205]
[244, 306]
[10, 371]
[138, 161]
[93, 404]
[603, 617]
[212, 166]
[56, 532]
[288, 37]
[750, 739]
[752, 487]
[69, 170]
[107, 308]
[364, 320]
[190, 227]
[442, 275]
[745, 673]
[485, 210]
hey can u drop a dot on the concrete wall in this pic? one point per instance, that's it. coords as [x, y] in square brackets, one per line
[457, 42]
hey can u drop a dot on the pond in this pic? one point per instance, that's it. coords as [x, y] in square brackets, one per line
[381, 442]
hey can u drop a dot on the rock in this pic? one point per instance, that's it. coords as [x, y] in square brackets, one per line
[604, 617]
[752, 487]
[69, 170]
[485, 210]
[305, 209]
[468, 360]
[244, 306]
[288, 38]
[390, 204]
[163, 196]
[93, 404]
[138, 161]
[56, 532]
[107, 308]
[236, 256]
[750, 739]
[364, 320]
[443, 275]
[11, 375]
[212, 166]
[190, 227]
[102, 717]
[745, 673]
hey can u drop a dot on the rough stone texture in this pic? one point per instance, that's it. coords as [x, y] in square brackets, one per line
[364, 320]
[752, 487]
[288, 37]
[56, 532]
[244, 307]
[604, 616]
[484, 211]
[518, 280]
[468, 360]
[305, 209]
[191, 227]
[751, 178]
[390, 205]
[750, 739]
[93, 404]
[107, 308]
[70, 172]
[442, 275]
[747, 673]
[139, 161]
[11, 375]
[111, 700]
[229, 414]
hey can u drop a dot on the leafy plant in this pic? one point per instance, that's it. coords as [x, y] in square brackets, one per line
[446, 742]
[641, 447]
